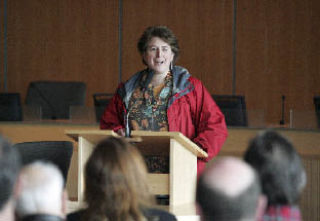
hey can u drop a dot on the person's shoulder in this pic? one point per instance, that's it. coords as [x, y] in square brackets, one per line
[195, 80]
[197, 83]
[180, 70]
[161, 215]
[185, 72]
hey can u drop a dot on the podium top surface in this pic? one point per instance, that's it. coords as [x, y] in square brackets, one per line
[146, 138]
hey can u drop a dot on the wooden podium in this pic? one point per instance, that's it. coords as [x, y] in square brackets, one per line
[179, 184]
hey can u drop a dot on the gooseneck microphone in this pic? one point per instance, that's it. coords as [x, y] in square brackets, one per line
[282, 109]
[127, 132]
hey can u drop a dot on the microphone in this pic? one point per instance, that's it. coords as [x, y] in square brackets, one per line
[127, 132]
[51, 108]
[282, 110]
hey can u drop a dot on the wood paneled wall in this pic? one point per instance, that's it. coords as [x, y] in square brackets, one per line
[278, 54]
[277, 47]
[63, 40]
[2, 45]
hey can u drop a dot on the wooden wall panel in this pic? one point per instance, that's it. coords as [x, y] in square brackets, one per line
[308, 203]
[204, 31]
[2, 26]
[278, 54]
[63, 40]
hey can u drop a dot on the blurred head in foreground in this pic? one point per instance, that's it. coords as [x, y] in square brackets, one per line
[229, 190]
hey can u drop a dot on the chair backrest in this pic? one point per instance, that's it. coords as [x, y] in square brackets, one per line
[234, 109]
[101, 100]
[56, 152]
[316, 100]
[56, 97]
[10, 107]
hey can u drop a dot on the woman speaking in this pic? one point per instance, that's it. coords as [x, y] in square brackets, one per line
[165, 97]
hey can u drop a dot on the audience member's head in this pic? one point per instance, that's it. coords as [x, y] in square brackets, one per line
[229, 190]
[42, 192]
[9, 170]
[116, 185]
[279, 166]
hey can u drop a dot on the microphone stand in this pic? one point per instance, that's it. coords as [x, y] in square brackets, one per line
[282, 111]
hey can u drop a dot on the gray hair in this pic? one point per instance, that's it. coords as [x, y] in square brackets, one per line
[42, 189]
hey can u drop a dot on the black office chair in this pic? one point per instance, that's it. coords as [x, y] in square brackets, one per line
[56, 97]
[316, 100]
[10, 107]
[234, 109]
[56, 152]
[101, 100]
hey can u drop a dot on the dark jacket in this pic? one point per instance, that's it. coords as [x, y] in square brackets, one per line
[151, 214]
[41, 217]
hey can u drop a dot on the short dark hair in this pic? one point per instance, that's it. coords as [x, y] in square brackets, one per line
[279, 167]
[9, 169]
[216, 205]
[162, 32]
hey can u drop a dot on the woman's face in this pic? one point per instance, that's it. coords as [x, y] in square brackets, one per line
[158, 55]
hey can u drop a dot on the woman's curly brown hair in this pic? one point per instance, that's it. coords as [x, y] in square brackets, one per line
[162, 32]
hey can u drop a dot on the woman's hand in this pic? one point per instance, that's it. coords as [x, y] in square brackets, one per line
[121, 132]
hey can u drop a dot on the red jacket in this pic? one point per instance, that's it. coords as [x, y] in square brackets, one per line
[191, 111]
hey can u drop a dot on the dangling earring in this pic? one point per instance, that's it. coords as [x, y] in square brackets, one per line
[171, 66]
